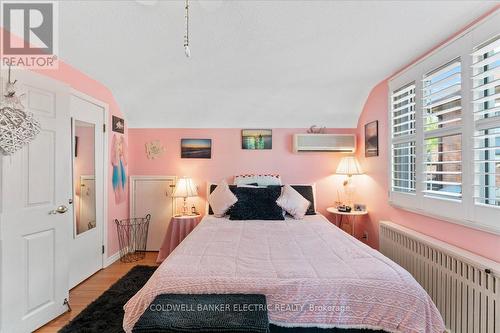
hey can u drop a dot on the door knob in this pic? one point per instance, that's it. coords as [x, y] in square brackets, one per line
[59, 210]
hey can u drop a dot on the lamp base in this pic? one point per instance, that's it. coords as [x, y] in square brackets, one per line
[349, 189]
[184, 207]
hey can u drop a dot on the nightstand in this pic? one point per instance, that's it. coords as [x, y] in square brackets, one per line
[350, 217]
[178, 229]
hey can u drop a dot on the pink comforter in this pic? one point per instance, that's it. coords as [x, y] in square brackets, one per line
[312, 273]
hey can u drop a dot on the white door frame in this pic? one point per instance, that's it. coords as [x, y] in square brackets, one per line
[105, 169]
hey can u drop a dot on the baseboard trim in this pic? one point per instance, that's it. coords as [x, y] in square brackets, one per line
[111, 259]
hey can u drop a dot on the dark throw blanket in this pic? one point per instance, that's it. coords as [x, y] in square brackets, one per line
[181, 313]
[105, 314]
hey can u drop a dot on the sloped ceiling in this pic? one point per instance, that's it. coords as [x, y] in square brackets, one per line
[253, 63]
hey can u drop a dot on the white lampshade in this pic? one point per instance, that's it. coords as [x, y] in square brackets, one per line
[185, 188]
[349, 166]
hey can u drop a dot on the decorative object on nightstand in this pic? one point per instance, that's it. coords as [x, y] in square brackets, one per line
[185, 188]
[349, 166]
[359, 207]
[344, 209]
[178, 229]
[346, 220]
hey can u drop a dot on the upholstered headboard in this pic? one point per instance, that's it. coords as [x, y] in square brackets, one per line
[211, 186]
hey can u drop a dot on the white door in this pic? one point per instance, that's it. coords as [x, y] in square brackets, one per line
[34, 237]
[153, 195]
[86, 244]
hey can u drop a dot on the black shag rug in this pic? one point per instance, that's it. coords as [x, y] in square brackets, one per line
[105, 314]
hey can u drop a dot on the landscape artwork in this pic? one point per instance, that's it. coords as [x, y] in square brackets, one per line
[371, 139]
[196, 148]
[256, 139]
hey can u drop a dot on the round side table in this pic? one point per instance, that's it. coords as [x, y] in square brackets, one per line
[342, 217]
[178, 229]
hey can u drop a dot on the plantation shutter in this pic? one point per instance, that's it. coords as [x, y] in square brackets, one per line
[486, 109]
[403, 139]
[442, 128]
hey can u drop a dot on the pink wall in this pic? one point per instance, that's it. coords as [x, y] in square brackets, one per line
[228, 159]
[375, 185]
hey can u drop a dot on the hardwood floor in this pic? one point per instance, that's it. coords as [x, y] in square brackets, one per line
[87, 291]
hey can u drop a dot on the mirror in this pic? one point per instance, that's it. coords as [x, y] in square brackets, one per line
[84, 176]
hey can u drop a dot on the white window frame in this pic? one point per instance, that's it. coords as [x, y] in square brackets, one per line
[406, 138]
[463, 212]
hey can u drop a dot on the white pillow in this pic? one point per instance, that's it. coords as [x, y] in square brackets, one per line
[221, 199]
[262, 180]
[293, 202]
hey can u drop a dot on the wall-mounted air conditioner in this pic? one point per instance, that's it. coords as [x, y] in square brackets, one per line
[344, 143]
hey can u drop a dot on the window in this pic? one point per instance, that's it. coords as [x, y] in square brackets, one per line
[445, 131]
[442, 114]
[403, 139]
[403, 174]
[486, 108]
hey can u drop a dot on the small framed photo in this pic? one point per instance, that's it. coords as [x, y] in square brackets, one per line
[371, 139]
[118, 124]
[256, 139]
[196, 148]
[359, 208]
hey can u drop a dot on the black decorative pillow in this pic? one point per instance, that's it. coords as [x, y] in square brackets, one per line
[231, 187]
[257, 203]
[307, 192]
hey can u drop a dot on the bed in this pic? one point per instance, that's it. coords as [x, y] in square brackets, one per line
[313, 275]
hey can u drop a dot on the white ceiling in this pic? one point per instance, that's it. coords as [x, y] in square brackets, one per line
[253, 63]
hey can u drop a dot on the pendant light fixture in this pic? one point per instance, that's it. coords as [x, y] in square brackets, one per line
[186, 35]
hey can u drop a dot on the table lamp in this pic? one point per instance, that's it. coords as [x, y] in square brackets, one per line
[185, 188]
[349, 166]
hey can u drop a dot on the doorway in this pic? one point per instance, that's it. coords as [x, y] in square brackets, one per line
[159, 203]
[88, 149]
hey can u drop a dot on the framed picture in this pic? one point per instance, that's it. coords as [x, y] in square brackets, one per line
[256, 139]
[196, 148]
[118, 124]
[76, 146]
[359, 207]
[371, 139]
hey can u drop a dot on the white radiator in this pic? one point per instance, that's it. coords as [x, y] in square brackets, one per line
[465, 287]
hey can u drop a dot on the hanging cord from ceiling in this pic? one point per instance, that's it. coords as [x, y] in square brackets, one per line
[186, 35]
